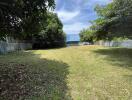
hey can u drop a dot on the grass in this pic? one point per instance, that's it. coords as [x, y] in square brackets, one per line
[76, 73]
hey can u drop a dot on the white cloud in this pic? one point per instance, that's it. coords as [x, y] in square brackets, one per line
[66, 15]
[76, 18]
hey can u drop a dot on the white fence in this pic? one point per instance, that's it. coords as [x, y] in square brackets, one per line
[9, 47]
[124, 43]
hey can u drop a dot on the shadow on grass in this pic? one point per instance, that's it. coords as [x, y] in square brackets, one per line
[121, 57]
[27, 76]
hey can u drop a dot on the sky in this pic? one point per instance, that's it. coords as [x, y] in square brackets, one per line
[76, 14]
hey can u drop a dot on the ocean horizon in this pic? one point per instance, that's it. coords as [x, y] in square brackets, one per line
[72, 37]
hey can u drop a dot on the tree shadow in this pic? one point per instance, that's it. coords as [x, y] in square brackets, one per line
[121, 57]
[25, 75]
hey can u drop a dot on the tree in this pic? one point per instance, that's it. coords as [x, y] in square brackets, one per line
[22, 17]
[123, 11]
[51, 34]
[114, 20]
[102, 25]
[87, 35]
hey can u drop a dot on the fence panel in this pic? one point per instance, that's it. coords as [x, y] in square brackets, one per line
[124, 43]
[9, 47]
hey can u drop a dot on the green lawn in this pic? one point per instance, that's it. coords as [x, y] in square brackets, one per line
[73, 73]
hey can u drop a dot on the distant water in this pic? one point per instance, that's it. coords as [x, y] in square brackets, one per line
[72, 37]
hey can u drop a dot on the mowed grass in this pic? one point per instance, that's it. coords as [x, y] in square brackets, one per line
[78, 73]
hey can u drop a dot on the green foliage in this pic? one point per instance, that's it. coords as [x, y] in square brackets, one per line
[115, 20]
[30, 19]
[22, 17]
[87, 35]
[51, 34]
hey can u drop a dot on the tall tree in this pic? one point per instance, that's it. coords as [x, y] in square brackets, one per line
[22, 16]
[51, 34]
[115, 20]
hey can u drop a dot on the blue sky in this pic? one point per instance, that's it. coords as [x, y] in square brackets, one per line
[76, 14]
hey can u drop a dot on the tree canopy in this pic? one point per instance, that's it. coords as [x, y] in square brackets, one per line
[22, 16]
[86, 35]
[51, 34]
[31, 20]
[114, 20]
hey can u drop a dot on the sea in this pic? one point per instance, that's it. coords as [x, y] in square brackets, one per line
[72, 37]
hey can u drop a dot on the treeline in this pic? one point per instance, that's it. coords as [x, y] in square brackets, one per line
[114, 21]
[31, 20]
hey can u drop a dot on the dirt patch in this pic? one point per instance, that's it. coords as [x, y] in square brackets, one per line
[15, 81]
